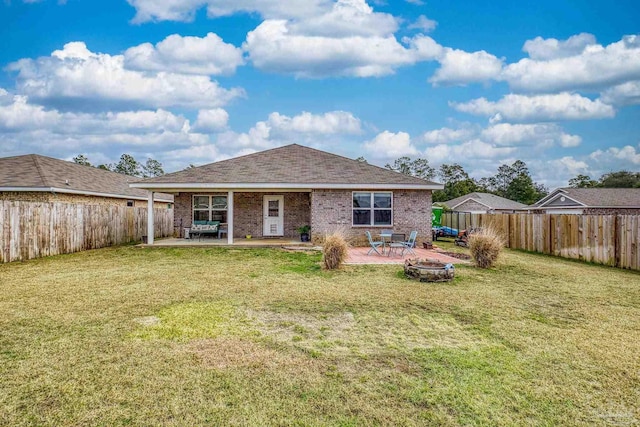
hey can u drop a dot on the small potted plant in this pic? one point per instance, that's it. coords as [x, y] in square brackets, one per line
[304, 232]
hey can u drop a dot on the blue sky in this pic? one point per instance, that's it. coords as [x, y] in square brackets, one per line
[553, 83]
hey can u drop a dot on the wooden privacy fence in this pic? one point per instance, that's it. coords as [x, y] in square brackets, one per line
[602, 239]
[32, 230]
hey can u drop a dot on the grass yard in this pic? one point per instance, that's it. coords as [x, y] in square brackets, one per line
[131, 336]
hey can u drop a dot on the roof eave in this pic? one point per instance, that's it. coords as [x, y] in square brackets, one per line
[79, 192]
[171, 187]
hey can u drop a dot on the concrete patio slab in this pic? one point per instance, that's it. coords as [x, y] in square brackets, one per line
[359, 256]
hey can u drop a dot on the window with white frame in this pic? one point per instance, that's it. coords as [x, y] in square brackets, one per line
[210, 208]
[372, 208]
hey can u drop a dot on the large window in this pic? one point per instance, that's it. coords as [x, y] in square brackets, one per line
[210, 208]
[372, 208]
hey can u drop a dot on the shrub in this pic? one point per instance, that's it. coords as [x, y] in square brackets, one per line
[335, 250]
[485, 246]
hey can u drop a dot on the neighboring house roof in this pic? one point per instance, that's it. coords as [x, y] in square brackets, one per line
[491, 201]
[291, 166]
[33, 172]
[590, 198]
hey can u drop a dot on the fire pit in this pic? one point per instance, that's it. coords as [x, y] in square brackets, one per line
[428, 270]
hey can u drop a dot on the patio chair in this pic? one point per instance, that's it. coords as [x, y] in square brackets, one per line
[411, 243]
[374, 244]
[397, 242]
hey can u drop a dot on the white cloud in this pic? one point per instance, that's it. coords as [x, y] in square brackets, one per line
[17, 114]
[75, 75]
[545, 49]
[423, 24]
[210, 121]
[458, 67]
[184, 10]
[389, 145]
[539, 134]
[476, 149]
[619, 158]
[624, 94]
[278, 129]
[333, 122]
[208, 55]
[272, 47]
[594, 67]
[445, 135]
[561, 106]
[346, 18]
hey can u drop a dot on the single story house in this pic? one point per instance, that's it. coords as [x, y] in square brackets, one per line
[483, 203]
[273, 192]
[596, 201]
[36, 178]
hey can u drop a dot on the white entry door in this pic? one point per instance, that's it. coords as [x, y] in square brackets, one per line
[273, 216]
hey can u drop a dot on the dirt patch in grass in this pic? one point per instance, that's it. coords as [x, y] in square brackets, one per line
[233, 352]
[364, 334]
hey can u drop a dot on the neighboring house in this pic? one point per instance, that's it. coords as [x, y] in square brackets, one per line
[35, 178]
[273, 192]
[598, 201]
[483, 203]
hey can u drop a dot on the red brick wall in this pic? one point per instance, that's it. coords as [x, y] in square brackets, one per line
[331, 209]
[247, 211]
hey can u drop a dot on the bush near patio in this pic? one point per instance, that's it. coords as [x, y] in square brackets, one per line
[265, 337]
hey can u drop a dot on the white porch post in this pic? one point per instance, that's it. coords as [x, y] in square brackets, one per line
[150, 219]
[230, 218]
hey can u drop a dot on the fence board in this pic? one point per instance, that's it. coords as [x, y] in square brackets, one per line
[33, 229]
[603, 239]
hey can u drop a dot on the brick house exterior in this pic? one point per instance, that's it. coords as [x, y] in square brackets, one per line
[316, 188]
[35, 178]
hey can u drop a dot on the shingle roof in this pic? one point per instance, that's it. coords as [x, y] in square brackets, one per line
[490, 200]
[598, 197]
[33, 171]
[289, 164]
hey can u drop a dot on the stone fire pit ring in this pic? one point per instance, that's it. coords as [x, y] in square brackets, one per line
[428, 270]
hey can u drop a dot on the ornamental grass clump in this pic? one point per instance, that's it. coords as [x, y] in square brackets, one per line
[334, 250]
[485, 246]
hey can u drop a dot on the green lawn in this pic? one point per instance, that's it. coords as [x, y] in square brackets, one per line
[131, 336]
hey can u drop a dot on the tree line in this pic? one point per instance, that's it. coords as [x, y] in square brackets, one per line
[127, 165]
[513, 181]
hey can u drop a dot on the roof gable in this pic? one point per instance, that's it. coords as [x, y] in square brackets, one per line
[290, 164]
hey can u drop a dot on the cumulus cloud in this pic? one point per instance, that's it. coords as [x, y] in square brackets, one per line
[273, 48]
[594, 68]
[280, 129]
[458, 67]
[17, 114]
[457, 153]
[208, 55]
[539, 134]
[184, 10]
[620, 158]
[389, 145]
[75, 75]
[346, 18]
[423, 24]
[544, 49]
[624, 94]
[333, 122]
[213, 120]
[561, 106]
[445, 135]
